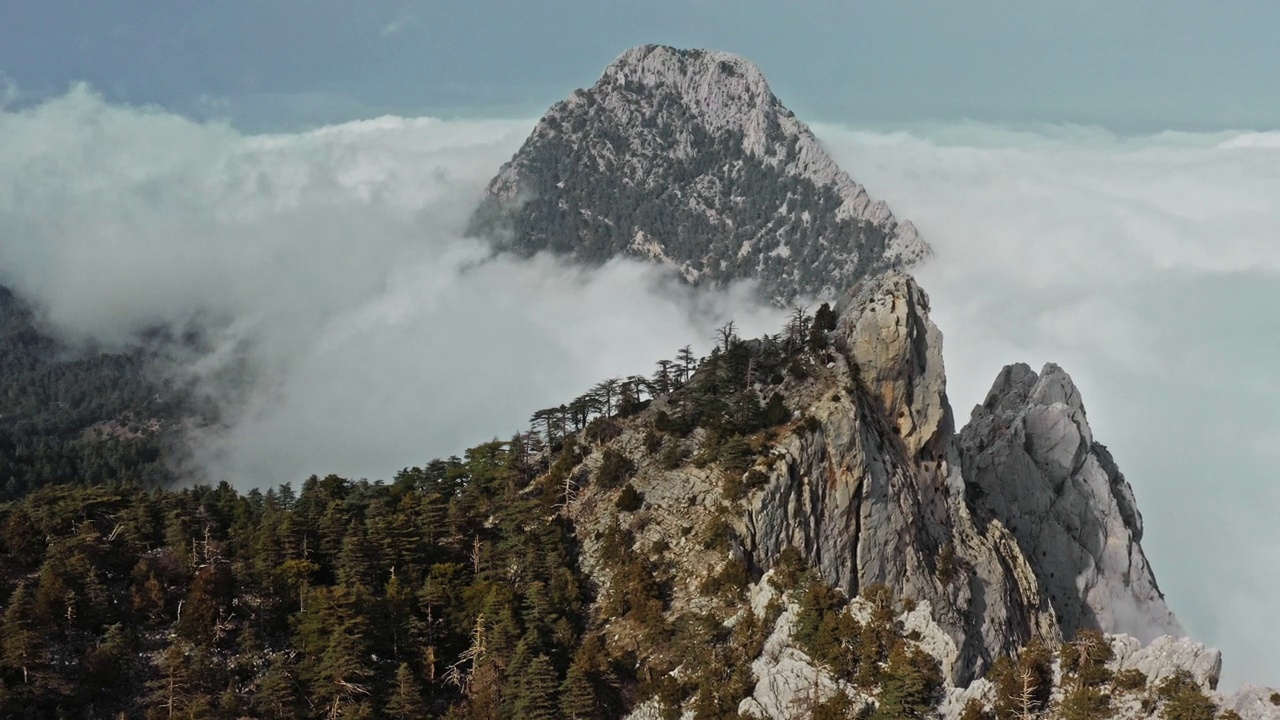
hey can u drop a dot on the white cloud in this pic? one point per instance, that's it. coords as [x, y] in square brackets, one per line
[1149, 268]
[333, 260]
[8, 91]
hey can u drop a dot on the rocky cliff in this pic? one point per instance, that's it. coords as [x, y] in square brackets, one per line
[1018, 532]
[686, 157]
[1031, 462]
[870, 493]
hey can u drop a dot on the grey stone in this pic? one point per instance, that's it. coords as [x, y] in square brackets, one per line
[686, 158]
[869, 496]
[1031, 463]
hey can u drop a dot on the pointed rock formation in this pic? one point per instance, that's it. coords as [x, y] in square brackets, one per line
[1031, 463]
[869, 493]
[686, 157]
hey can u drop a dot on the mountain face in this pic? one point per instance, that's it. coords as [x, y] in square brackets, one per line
[1018, 529]
[873, 494]
[875, 488]
[1016, 537]
[687, 158]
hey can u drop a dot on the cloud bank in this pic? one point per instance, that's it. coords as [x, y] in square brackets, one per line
[330, 268]
[1149, 268]
[331, 264]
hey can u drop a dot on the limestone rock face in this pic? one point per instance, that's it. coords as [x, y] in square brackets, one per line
[869, 492]
[1254, 702]
[1031, 463]
[1165, 656]
[687, 158]
[887, 335]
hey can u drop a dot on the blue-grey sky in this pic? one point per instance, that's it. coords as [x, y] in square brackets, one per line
[1134, 66]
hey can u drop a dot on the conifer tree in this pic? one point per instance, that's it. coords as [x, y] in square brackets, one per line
[344, 673]
[406, 701]
[686, 363]
[276, 697]
[356, 560]
[537, 693]
[172, 693]
[578, 699]
[912, 684]
[22, 646]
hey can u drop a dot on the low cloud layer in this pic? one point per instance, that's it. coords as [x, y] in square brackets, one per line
[331, 266]
[1149, 268]
[377, 337]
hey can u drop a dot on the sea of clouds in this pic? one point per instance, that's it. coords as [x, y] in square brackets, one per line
[330, 275]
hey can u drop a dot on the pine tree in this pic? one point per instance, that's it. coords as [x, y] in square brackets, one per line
[172, 694]
[1183, 699]
[578, 700]
[406, 701]
[344, 673]
[912, 684]
[686, 363]
[1085, 703]
[536, 696]
[203, 607]
[276, 697]
[1023, 685]
[355, 562]
[22, 646]
[108, 667]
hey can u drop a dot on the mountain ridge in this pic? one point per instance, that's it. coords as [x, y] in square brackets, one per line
[953, 470]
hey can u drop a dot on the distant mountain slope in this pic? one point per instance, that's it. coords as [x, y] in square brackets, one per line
[686, 157]
[75, 417]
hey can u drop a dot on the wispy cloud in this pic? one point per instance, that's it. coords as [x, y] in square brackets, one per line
[8, 91]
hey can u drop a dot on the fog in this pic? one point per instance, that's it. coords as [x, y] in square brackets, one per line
[330, 266]
[350, 326]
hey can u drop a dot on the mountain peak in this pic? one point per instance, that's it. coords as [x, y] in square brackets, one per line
[728, 89]
[686, 158]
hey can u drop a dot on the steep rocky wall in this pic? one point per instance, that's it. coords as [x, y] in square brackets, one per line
[1032, 464]
[870, 493]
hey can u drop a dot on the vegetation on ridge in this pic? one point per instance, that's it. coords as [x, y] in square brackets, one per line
[459, 589]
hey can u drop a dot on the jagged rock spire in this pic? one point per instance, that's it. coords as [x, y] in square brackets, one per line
[1031, 462]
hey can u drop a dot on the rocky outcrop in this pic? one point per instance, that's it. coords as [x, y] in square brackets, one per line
[870, 492]
[1166, 656]
[1031, 463]
[986, 532]
[686, 157]
[1254, 702]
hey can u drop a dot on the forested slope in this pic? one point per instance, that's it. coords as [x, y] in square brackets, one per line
[77, 415]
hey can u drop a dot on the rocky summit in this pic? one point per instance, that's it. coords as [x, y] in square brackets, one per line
[1013, 544]
[686, 157]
